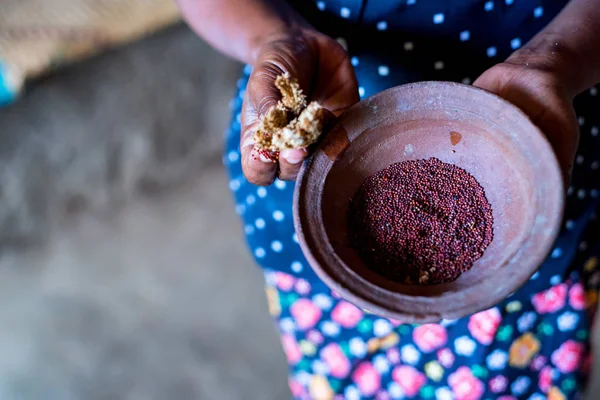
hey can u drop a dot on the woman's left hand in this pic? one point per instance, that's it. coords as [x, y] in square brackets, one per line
[535, 87]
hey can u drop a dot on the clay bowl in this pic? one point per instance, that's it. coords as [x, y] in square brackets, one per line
[496, 143]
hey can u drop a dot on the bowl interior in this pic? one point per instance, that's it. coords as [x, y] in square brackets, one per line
[458, 124]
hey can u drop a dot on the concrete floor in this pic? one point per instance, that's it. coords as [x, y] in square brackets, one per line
[123, 274]
[122, 270]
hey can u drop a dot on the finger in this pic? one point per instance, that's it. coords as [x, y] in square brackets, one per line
[257, 169]
[290, 162]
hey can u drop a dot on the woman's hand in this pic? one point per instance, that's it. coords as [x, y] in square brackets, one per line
[538, 90]
[325, 75]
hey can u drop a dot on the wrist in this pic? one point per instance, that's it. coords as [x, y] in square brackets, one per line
[551, 53]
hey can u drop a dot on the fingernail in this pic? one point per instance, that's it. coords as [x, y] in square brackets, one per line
[264, 159]
[294, 156]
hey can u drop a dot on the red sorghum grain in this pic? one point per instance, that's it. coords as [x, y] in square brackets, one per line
[422, 221]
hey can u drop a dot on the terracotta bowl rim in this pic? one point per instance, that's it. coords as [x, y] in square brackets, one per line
[300, 202]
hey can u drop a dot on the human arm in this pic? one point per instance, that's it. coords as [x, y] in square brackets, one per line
[274, 39]
[544, 76]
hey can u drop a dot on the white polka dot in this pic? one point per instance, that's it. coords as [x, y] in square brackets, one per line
[259, 252]
[320, 368]
[444, 393]
[238, 118]
[593, 91]
[354, 61]
[297, 267]
[382, 25]
[557, 252]
[249, 229]
[330, 328]
[396, 391]
[581, 194]
[438, 65]
[278, 215]
[538, 11]
[583, 246]
[466, 81]
[233, 156]
[322, 301]
[488, 6]
[581, 120]
[410, 2]
[491, 51]
[280, 184]
[287, 325]
[569, 224]
[381, 364]
[261, 192]
[555, 280]
[247, 69]
[515, 43]
[240, 209]
[345, 12]
[358, 347]
[594, 131]
[594, 193]
[509, 2]
[381, 327]
[409, 46]
[464, 36]
[234, 185]
[276, 246]
[361, 91]
[250, 199]
[321, 5]
[352, 393]
[438, 18]
[260, 223]
[579, 159]
[383, 70]
[295, 238]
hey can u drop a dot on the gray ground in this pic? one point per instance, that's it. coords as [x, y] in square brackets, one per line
[123, 274]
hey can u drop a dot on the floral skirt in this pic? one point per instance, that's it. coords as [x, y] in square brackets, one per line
[533, 345]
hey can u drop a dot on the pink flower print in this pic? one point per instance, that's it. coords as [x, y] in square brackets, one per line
[445, 357]
[507, 398]
[291, 349]
[464, 385]
[545, 379]
[498, 384]
[393, 355]
[429, 337]
[568, 356]
[284, 282]
[305, 313]
[577, 296]
[367, 378]
[296, 388]
[484, 324]
[395, 322]
[550, 300]
[409, 379]
[346, 314]
[337, 362]
[302, 286]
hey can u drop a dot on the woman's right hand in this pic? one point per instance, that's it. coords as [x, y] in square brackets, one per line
[325, 75]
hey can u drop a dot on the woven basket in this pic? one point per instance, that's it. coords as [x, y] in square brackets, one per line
[36, 35]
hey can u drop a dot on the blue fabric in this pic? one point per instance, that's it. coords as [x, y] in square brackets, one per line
[392, 43]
